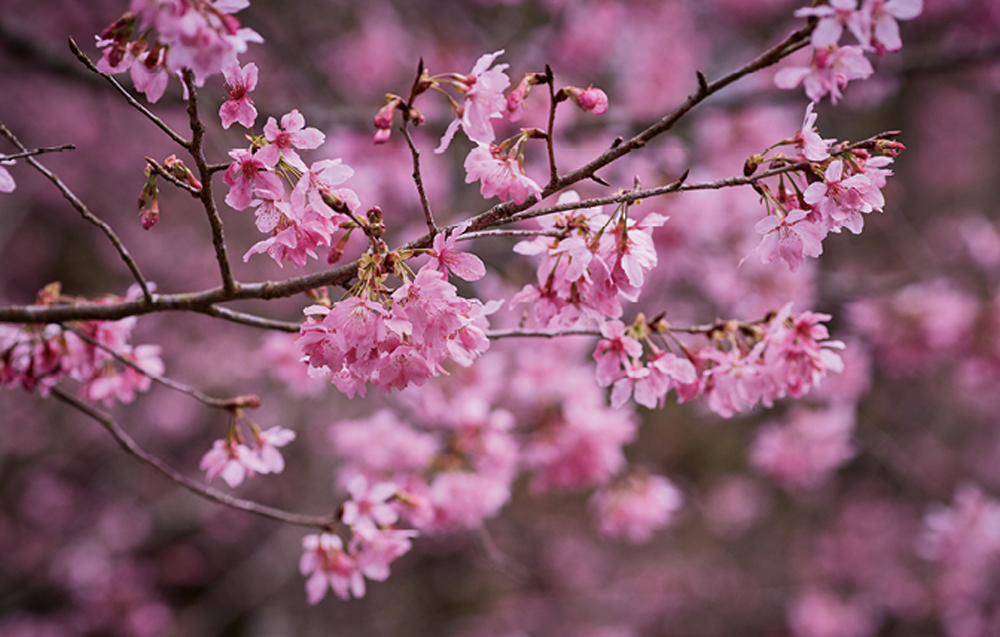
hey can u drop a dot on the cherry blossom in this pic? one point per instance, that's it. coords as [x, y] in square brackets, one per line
[790, 237]
[593, 100]
[446, 258]
[327, 566]
[501, 175]
[484, 100]
[238, 107]
[829, 71]
[292, 134]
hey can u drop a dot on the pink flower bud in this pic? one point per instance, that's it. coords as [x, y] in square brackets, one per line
[593, 100]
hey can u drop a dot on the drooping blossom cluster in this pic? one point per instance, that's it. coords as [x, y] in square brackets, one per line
[37, 357]
[593, 264]
[237, 457]
[839, 188]
[200, 36]
[396, 338]
[875, 28]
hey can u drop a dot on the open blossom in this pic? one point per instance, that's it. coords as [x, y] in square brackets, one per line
[484, 100]
[814, 147]
[327, 566]
[877, 28]
[636, 507]
[791, 237]
[246, 174]
[368, 508]
[291, 135]
[500, 175]
[833, 18]
[239, 107]
[841, 198]
[235, 460]
[829, 71]
[446, 258]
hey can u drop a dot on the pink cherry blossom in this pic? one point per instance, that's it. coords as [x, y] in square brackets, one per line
[790, 237]
[327, 566]
[805, 450]
[265, 449]
[446, 258]
[484, 100]
[368, 510]
[247, 173]
[232, 460]
[238, 107]
[877, 28]
[814, 147]
[291, 135]
[500, 175]
[833, 17]
[829, 72]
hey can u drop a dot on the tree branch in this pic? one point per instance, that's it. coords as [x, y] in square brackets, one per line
[86, 214]
[209, 493]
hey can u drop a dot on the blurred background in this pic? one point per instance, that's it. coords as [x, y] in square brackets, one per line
[870, 508]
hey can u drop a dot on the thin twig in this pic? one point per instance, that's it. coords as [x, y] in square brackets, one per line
[252, 320]
[550, 132]
[80, 55]
[38, 151]
[509, 233]
[418, 180]
[209, 493]
[86, 213]
[229, 284]
[211, 401]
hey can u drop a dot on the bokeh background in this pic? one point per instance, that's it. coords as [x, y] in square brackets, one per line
[885, 522]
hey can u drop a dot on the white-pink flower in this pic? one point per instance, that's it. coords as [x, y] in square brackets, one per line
[484, 100]
[6, 180]
[790, 237]
[327, 566]
[285, 139]
[499, 175]
[238, 107]
[829, 71]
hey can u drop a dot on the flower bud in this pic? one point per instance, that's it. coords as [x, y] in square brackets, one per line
[593, 100]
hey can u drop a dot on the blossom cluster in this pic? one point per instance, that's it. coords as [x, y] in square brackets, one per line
[317, 210]
[397, 340]
[745, 364]
[499, 167]
[875, 28]
[592, 264]
[370, 516]
[37, 357]
[235, 458]
[839, 188]
[200, 36]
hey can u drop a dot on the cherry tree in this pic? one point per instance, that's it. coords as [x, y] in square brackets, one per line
[513, 315]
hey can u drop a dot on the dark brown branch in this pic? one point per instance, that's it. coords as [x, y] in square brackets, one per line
[229, 284]
[86, 214]
[37, 151]
[209, 493]
[419, 181]
[80, 55]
